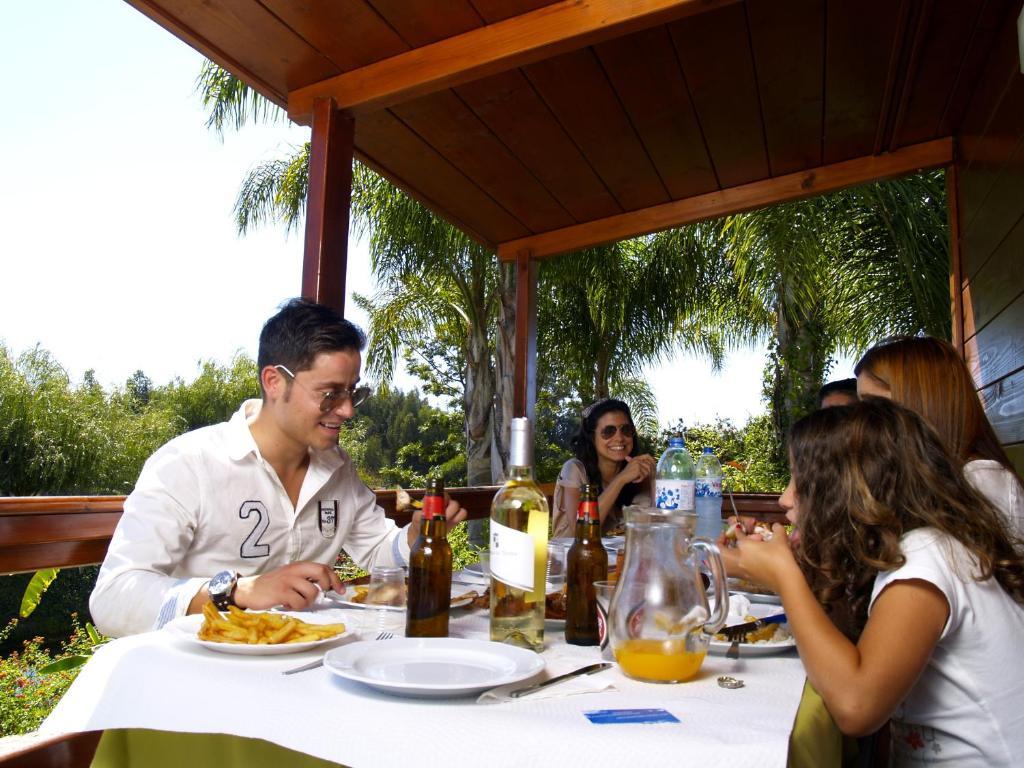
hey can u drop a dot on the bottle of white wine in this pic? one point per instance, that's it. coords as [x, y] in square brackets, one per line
[519, 548]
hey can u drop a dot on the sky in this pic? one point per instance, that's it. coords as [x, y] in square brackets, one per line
[118, 249]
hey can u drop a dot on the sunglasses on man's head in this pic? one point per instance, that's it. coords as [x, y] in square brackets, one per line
[608, 430]
[329, 400]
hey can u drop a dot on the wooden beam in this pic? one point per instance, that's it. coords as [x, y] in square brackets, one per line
[956, 265]
[325, 258]
[524, 380]
[746, 197]
[514, 42]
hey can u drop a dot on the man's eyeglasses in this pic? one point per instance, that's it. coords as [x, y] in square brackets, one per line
[330, 399]
[608, 430]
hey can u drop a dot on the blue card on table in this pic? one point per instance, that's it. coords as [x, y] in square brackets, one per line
[612, 716]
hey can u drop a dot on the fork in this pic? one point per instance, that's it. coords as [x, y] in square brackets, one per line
[319, 662]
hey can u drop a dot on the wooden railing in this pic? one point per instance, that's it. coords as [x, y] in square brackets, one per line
[60, 531]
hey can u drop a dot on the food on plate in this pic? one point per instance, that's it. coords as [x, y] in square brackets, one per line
[237, 626]
[770, 633]
[744, 585]
[554, 604]
[388, 594]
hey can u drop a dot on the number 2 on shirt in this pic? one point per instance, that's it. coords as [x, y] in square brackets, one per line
[252, 546]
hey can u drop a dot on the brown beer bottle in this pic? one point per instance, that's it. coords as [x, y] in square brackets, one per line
[587, 562]
[430, 569]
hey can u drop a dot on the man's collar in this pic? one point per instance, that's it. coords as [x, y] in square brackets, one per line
[241, 442]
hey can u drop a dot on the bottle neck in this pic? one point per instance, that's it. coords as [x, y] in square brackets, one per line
[520, 472]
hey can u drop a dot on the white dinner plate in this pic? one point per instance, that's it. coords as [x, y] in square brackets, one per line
[461, 597]
[752, 593]
[432, 667]
[187, 628]
[719, 647]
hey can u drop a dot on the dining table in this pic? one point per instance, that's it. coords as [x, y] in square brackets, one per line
[163, 699]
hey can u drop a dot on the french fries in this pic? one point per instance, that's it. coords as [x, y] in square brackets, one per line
[237, 626]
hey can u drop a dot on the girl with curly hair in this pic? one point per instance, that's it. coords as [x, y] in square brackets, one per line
[888, 531]
[607, 455]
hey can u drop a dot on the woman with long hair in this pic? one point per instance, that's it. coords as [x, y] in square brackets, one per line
[606, 455]
[930, 377]
[887, 527]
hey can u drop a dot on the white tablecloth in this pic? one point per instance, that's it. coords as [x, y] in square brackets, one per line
[157, 681]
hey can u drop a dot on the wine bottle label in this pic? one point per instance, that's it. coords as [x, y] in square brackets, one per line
[513, 556]
[674, 494]
[433, 506]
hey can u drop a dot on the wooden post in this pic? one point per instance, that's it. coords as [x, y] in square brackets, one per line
[325, 259]
[525, 378]
[956, 268]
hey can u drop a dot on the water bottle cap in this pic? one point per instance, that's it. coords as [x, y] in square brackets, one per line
[675, 442]
[708, 449]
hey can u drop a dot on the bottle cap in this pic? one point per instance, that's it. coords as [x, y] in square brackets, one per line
[520, 449]
[708, 449]
[675, 442]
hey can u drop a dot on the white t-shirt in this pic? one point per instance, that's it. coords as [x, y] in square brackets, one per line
[574, 475]
[1001, 487]
[207, 502]
[967, 707]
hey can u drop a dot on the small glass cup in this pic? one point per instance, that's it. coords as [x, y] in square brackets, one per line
[557, 552]
[604, 590]
[387, 586]
[485, 564]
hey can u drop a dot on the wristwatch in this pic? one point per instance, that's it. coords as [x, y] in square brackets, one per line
[222, 589]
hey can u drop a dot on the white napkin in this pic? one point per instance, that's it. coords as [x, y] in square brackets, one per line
[593, 683]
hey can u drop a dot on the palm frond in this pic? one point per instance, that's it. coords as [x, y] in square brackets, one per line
[231, 102]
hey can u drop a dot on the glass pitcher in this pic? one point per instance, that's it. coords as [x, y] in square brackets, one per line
[659, 616]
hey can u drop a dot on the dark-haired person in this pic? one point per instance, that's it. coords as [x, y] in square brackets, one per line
[930, 377]
[254, 511]
[839, 392]
[607, 456]
[890, 530]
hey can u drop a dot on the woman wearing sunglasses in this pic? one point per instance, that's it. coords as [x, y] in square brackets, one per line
[606, 456]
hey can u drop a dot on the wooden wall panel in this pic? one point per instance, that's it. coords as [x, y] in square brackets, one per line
[367, 37]
[512, 109]
[421, 22]
[997, 350]
[575, 89]
[990, 172]
[1004, 404]
[789, 55]
[645, 73]
[445, 122]
[714, 50]
[997, 282]
[858, 53]
[381, 135]
[940, 57]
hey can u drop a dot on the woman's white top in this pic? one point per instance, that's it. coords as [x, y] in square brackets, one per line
[1001, 487]
[967, 707]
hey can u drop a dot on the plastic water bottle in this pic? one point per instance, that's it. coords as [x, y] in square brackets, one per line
[709, 495]
[674, 478]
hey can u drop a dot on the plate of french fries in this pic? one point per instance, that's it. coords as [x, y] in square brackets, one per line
[257, 633]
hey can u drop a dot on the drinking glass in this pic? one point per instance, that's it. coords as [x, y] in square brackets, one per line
[557, 553]
[387, 586]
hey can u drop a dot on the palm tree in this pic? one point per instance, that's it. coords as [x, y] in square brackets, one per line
[832, 274]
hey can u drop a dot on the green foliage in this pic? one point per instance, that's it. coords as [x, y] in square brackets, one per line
[58, 439]
[26, 694]
[213, 396]
[748, 454]
[37, 585]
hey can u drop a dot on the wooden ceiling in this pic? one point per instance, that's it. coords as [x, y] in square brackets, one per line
[544, 126]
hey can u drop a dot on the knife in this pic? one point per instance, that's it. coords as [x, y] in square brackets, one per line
[752, 626]
[588, 670]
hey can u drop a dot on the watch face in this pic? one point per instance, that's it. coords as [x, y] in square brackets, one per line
[221, 584]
